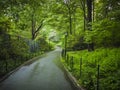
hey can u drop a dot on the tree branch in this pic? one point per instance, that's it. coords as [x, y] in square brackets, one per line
[40, 26]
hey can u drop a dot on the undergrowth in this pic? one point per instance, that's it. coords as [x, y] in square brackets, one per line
[109, 72]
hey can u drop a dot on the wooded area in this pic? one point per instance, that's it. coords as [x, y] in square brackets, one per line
[87, 29]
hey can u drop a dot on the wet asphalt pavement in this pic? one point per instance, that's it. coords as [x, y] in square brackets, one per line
[43, 74]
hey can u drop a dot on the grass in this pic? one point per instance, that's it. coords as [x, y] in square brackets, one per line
[109, 61]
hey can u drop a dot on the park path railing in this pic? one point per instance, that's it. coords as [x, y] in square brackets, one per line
[71, 63]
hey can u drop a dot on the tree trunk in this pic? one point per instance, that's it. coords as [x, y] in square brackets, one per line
[70, 20]
[89, 21]
[84, 9]
[89, 13]
[35, 30]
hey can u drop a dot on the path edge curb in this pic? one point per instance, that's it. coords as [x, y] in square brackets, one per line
[72, 79]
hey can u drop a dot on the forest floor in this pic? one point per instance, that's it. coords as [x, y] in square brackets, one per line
[43, 74]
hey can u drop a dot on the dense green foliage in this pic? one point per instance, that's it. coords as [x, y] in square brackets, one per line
[19, 20]
[108, 59]
[104, 26]
[29, 27]
[97, 30]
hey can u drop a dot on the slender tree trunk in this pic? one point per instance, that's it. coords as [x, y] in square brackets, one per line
[89, 12]
[93, 10]
[74, 27]
[84, 9]
[89, 25]
[70, 20]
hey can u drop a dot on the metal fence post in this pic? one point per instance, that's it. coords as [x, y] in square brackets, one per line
[67, 59]
[6, 65]
[80, 67]
[71, 63]
[98, 74]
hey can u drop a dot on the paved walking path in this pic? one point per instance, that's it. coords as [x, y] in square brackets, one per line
[43, 74]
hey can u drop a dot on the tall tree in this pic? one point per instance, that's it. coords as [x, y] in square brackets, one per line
[89, 22]
[37, 16]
